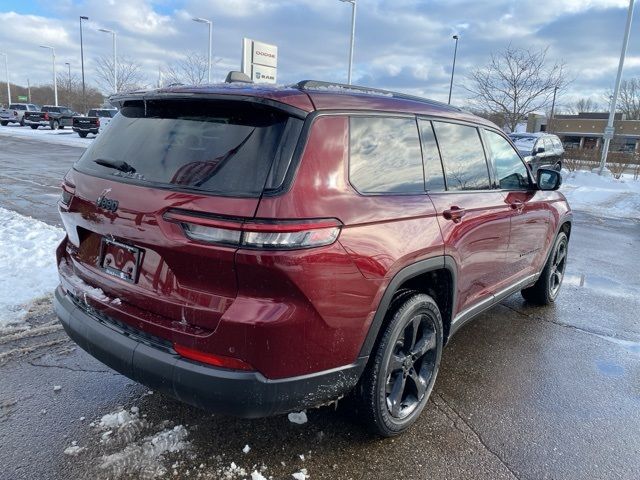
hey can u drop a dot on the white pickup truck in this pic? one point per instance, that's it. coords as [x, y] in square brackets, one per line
[15, 113]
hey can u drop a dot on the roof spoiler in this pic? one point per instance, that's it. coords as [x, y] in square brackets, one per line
[238, 77]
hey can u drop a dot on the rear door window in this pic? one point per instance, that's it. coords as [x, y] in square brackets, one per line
[220, 147]
[511, 171]
[385, 155]
[463, 157]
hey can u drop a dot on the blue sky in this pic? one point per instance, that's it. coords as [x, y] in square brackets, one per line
[400, 44]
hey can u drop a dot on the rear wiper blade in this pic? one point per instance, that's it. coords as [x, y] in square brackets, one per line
[116, 164]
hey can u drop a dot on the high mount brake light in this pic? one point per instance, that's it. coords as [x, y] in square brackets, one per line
[284, 235]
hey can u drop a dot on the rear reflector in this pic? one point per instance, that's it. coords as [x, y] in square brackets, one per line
[284, 235]
[212, 359]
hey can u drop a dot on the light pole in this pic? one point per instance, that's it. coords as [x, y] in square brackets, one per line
[115, 59]
[55, 80]
[353, 36]
[210, 24]
[609, 130]
[68, 75]
[553, 109]
[84, 95]
[453, 68]
[6, 71]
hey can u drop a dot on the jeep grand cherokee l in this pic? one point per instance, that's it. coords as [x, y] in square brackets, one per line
[254, 250]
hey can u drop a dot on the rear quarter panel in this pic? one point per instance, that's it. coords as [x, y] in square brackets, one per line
[381, 235]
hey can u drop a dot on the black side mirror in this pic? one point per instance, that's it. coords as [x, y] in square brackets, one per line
[548, 179]
[539, 150]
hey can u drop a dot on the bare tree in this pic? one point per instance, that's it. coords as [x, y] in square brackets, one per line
[191, 70]
[583, 105]
[629, 98]
[515, 83]
[130, 75]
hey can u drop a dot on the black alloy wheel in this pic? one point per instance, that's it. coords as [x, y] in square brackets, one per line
[403, 366]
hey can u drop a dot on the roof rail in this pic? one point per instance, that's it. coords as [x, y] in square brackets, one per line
[320, 85]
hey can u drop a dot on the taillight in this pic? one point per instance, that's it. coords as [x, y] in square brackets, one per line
[67, 193]
[212, 359]
[15, 113]
[268, 235]
[46, 116]
[98, 122]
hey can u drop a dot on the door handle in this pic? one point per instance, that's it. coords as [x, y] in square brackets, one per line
[454, 213]
[517, 205]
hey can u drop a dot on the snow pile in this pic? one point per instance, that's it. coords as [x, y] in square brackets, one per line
[61, 137]
[74, 450]
[299, 418]
[143, 459]
[602, 195]
[301, 475]
[27, 263]
[140, 453]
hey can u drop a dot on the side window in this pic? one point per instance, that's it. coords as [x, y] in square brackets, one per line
[385, 155]
[463, 159]
[548, 146]
[512, 173]
[433, 174]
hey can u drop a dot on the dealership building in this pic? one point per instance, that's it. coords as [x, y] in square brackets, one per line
[586, 130]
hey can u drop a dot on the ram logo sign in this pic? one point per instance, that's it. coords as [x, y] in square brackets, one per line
[260, 61]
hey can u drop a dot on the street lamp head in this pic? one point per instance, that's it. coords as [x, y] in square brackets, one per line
[105, 30]
[201, 20]
[455, 37]
[352, 2]
[82, 17]
[46, 46]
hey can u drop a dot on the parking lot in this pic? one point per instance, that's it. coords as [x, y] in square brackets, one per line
[523, 392]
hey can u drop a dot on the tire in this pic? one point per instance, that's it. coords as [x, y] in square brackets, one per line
[55, 125]
[35, 127]
[395, 387]
[61, 127]
[82, 134]
[22, 122]
[4, 124]
[546, 289]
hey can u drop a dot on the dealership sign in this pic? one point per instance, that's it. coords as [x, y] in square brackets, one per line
[259, 61]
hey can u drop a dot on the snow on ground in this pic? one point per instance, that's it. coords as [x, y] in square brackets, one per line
[27, 263]
[602, 195]
[44, 134]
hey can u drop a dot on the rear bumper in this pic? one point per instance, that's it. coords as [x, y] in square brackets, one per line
[41, 123]
[243, 394]
[85, 129]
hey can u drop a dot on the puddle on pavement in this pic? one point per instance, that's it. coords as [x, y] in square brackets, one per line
[610, 369]
[605, 285]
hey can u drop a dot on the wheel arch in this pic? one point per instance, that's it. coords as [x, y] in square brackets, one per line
[434, 276]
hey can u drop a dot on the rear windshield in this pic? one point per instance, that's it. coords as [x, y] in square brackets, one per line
[227, 148]
[17, 107]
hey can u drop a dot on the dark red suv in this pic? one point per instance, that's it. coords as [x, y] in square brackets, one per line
[254, 250]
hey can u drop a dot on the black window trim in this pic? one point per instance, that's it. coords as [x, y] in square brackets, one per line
[424, 165]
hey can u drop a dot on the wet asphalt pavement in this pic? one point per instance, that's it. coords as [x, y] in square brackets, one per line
[523, 392]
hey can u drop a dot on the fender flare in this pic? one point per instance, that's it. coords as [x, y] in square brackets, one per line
[421, 267]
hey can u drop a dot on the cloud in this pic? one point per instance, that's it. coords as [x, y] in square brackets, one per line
[400, 44]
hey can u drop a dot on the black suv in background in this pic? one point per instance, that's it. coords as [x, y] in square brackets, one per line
[539, 149]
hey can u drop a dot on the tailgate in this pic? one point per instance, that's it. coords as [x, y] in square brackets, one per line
[206, 158]
[175, 279]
